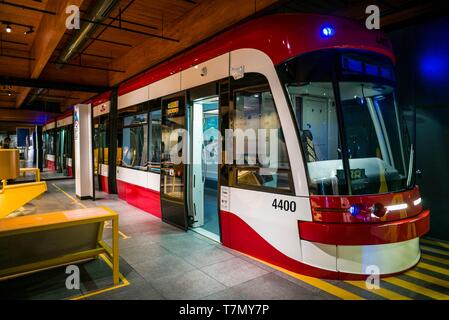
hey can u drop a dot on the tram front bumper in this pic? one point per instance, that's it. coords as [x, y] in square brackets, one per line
[348, 234]
[363, 248]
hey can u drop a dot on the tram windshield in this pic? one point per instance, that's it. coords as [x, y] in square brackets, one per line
[353, 137]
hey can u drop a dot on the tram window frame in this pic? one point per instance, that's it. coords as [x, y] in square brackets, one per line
[327, 66]
[155, 105]
[50, 145]
[70, 149]
[148, 108]
[103, 119]
[253, 81]
[135, 110]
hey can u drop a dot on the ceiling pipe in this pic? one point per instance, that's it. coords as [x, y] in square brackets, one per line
[97, 14]
[36, 95]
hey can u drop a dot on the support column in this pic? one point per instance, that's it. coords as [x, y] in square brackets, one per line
[112, 154]
[38, 148]
[83, 151]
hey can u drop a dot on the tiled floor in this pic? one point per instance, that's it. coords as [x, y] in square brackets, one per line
[163, 262]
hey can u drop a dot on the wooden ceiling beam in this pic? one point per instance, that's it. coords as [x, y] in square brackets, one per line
[50, 31]
[207, 19]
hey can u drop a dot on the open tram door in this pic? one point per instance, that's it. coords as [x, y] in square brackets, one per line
[190, 160]
[173, 161]
[204, 154]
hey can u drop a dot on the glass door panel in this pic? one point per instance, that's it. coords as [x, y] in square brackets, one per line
[173, 155]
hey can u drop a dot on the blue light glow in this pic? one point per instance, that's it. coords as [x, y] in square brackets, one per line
[434, 66]
[327, 32]
[354, 210]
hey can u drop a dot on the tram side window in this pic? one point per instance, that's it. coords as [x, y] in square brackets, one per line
[49, 143]
[103, 138]
[155, 140]
[68, 147]
[260, 151]
[134, 137]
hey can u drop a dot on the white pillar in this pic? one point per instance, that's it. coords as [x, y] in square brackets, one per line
[83, 151]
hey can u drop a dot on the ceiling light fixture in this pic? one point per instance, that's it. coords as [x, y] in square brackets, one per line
[30, 31]
[8, 29]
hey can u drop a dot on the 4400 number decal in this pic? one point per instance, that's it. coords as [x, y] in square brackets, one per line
[284, 205]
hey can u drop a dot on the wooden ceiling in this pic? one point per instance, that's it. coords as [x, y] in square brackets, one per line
[136, 35]
[150, 30]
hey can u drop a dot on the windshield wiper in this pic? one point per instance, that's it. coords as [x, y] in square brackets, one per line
[410, 165]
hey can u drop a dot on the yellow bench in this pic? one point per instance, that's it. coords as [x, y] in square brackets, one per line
[36, 171]
[39, 242]
[15, 196]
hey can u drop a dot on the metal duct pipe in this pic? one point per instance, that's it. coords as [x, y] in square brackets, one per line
[36, 95]
[98, 13]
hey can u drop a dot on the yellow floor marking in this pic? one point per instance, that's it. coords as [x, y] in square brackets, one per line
[390, 295]
[433, 268]
[124, 281]
[317, 283]
[436, 243]
[436, 259]
[417, 288]
[107, 225]
[427, 278]
[124, 236]
[75, 201]
[445, 253]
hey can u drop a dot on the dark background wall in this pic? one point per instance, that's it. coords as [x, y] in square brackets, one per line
[422, 51]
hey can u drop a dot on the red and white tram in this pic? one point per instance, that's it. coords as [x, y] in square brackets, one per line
[341, 198]
[57, 146]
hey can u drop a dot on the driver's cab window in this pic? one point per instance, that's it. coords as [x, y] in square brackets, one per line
[315, 112]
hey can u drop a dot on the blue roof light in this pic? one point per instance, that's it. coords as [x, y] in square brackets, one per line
[327, 31]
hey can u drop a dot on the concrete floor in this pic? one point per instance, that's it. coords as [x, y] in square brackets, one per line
[161, 262]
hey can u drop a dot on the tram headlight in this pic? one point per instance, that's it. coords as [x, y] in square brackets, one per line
[354, 210]
[378, 210]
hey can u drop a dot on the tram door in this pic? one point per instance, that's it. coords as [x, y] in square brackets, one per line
[202, 175]
[61, 142]
[100, 153]
[173, 161]
[96, 155]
